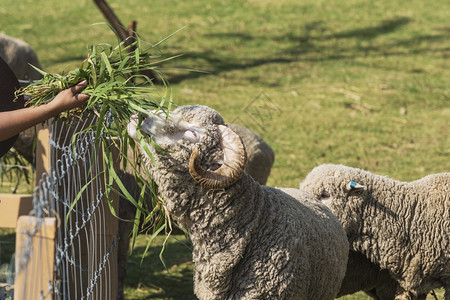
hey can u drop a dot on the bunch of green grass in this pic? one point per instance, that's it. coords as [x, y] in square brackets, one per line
[115, 79]
[118, 87]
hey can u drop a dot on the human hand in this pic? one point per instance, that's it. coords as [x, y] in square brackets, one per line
[69, 98]
[15, 121]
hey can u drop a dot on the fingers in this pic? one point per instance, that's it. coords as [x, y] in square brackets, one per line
[81, 97]
[79, 87]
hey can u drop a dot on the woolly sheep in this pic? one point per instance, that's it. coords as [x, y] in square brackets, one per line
[260, 156]
[18, 55]
[249, 241]
[403, 227]
[363, 275]
[260, 160]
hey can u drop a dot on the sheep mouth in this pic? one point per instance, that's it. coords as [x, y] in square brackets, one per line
[134, 119]
[141, 121]
[135, 124]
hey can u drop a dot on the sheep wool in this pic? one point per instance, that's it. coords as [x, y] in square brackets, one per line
[19, 55]
[260, 160]
[260, 156]
[403, 227]
[249, 241]
[363, 275]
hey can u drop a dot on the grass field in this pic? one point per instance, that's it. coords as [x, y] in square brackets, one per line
[362, 83]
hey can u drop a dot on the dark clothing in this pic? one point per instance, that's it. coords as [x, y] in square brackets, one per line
[8, 101]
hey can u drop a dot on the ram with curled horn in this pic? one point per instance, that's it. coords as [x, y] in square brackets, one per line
[260, 159]
[250, 241]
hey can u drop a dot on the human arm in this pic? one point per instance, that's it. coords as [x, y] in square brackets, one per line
[15, 121]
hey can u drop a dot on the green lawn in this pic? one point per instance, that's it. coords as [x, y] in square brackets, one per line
[153, 280]
[362, 83]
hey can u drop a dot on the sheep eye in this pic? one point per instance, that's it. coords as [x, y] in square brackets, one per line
[324, 195]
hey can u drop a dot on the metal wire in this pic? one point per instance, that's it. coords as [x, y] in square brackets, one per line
[73, 192]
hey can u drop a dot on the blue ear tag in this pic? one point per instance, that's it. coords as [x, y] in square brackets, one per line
[352, 184]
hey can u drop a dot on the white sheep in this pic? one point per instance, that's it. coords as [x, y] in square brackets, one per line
[403, 227]
[249, 241]
[260, 160]
[19, 55]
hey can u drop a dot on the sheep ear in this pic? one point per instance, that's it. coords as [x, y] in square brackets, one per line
[354, 186]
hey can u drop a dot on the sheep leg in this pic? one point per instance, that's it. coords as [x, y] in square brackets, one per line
[405, 296]
[410, 296]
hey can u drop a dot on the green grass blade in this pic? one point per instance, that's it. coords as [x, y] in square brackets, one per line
[105, 61]
[150, 241]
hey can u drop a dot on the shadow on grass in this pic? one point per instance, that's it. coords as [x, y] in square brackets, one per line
[309, 47]
[153, 280]
[7, 244]
[385, 26]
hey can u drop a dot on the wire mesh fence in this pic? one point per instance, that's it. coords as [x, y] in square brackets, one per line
[66, 248]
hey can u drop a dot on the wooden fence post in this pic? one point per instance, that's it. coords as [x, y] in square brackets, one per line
[12, 206]
[34, 258]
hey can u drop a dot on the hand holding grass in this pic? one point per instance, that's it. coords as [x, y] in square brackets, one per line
[117, 89]
[68, 99]
[16, 121]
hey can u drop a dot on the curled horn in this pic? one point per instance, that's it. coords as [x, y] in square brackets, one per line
[234, 162]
